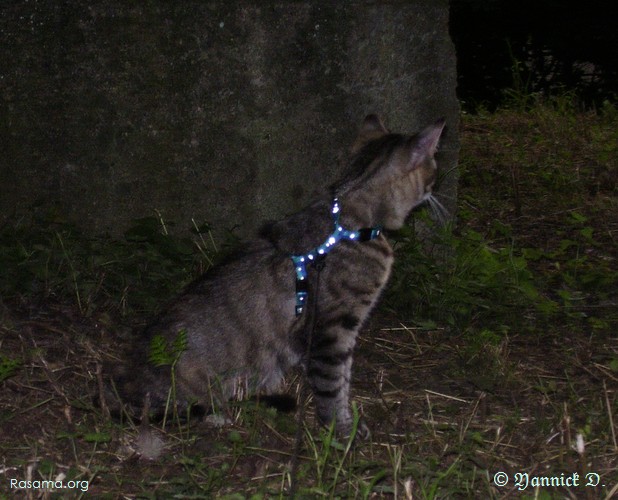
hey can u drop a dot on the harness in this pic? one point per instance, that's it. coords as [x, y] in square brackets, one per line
[339, 233]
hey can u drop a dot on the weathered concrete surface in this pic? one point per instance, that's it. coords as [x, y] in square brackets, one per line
[228, 112]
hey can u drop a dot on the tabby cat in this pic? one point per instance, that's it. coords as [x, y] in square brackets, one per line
[248, 321]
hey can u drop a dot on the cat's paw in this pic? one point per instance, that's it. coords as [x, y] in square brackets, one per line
[359, 432]
[362, 430]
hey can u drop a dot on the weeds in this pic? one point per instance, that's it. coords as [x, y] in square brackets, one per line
[495, 351]
[130, 275]
[163, 353]
[8, 367]
[463, 282]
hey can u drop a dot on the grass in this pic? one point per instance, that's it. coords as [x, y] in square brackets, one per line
[48, 258]
[493, 351]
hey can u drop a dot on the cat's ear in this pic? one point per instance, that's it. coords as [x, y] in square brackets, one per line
[426, 143]
[372, 124]
[372, 128]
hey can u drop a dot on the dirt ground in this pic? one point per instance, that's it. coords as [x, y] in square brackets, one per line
[516, 408]
[448, 412]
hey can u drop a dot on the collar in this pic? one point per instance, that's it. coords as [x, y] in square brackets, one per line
[339, 233]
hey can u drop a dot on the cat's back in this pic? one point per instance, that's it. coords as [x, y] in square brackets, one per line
[239, 290]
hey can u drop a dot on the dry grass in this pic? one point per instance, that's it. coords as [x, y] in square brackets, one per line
[447, 410]
[443, 421]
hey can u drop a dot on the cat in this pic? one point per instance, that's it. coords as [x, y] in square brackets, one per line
[311, 278]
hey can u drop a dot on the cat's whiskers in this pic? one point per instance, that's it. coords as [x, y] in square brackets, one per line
[439, 211]
[444, 195]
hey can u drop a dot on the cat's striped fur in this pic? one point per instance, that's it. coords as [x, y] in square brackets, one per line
[240, 318]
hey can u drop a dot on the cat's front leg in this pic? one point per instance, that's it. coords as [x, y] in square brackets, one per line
[329, 373]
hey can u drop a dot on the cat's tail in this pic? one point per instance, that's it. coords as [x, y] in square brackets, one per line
[129, 387]
[135, 388]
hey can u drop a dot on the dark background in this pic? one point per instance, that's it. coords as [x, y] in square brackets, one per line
[109, 110]
[543, 46]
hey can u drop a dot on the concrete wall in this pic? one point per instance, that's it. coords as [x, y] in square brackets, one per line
[228, 112]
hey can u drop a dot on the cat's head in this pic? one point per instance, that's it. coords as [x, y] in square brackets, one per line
[390, 174]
